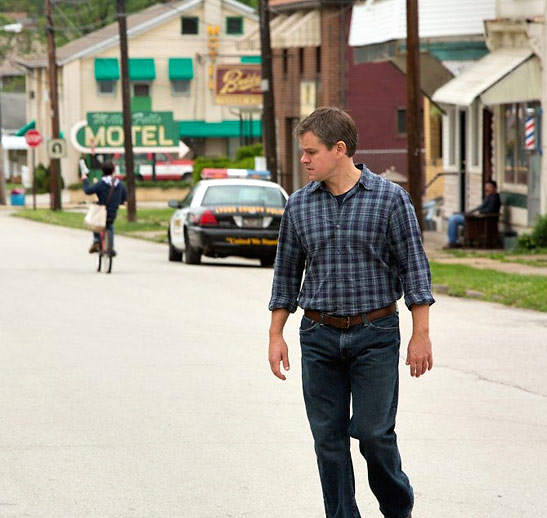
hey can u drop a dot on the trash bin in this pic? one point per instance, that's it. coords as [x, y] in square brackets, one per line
[510, 238]
[17, 197]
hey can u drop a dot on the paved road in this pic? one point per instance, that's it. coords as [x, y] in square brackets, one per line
[147, 394]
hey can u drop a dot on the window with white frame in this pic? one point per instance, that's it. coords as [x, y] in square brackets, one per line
[517, 154]
[180, 86]
[106, 87]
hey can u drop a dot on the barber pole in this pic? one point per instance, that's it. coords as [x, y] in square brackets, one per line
[530, 133]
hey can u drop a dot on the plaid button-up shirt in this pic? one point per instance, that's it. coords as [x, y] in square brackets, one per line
[358, 257]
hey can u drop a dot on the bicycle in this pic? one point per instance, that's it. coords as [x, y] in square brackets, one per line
[106, 252]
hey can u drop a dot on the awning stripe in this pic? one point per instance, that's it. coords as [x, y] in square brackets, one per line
[142, 69]
[300, 29]
[482, 75]
[181, 68]
[29, 125]
[224, 129]
[107, 69]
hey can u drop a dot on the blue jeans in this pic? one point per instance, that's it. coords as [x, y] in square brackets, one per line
[97, 235]
[358, 365]
[454, 222]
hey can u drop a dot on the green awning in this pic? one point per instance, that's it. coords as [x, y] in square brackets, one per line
[224, 129]
[181, 68]
[29, 125]
[251, 59]
[106, 69]
[142, 69]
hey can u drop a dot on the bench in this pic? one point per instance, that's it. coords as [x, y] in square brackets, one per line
[481, 231]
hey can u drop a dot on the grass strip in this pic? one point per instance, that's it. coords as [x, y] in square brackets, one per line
[521, 291]
[148, 221]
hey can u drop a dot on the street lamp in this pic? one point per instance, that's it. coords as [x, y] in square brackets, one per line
[16, 28]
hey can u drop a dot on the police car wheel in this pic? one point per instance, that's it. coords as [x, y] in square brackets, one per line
[267, 261]
[191, 255]
[174, 254]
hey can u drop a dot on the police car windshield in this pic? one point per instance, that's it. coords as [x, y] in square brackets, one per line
[243, 195]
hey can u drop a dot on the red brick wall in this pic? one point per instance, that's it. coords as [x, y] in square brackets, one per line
[287, 85]
[331, 64]
[375, 92]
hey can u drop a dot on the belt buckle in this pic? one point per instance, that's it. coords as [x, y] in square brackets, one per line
[347, 323]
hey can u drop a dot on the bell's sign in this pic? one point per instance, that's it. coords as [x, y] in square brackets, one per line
[103, 132]
[238, 85]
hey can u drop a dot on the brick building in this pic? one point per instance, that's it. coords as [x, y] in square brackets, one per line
[309, 41]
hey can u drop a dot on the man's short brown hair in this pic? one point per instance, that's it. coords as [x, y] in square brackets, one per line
[330, 125]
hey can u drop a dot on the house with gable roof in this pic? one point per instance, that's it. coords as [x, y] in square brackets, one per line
[179, 55]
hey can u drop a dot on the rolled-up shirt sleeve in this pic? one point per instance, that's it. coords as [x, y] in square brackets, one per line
[405, 240]
[289, 266]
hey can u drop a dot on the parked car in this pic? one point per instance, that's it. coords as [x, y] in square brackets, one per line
[227, 217]
[167, 167]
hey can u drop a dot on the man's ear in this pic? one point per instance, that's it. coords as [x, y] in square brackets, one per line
[341, 148]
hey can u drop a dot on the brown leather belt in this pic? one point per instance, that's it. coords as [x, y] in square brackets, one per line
[347, 322]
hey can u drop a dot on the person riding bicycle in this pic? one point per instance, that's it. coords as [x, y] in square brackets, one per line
[111, 198]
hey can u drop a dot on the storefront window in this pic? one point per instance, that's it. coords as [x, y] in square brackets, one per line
[510, 142]
[516, 154]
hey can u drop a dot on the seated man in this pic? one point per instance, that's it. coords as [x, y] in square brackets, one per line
[490, 204]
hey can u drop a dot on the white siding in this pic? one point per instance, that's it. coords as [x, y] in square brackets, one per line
[384, 20]
[520, 8]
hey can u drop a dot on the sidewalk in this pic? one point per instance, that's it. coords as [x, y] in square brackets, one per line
[435, 240]
[43, 202]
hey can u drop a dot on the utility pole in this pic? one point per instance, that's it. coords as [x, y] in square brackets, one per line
[268, 114]
[413, 129]
[2, 172]
[126, 107]
[54, 169]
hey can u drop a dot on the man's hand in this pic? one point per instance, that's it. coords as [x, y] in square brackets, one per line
[278, 353]
[419, 355]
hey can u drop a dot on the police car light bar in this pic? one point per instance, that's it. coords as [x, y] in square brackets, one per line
[209, 173]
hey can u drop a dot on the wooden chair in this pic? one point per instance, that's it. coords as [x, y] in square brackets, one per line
[481, 231]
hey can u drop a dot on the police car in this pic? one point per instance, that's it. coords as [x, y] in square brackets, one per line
[230, 212]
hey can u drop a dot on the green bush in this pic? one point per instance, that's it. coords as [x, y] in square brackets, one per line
[244, 159]
[537, 238]
[250, 151]
[43, 179]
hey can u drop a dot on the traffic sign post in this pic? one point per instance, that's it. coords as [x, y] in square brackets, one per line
[33, 138]
[56, 148]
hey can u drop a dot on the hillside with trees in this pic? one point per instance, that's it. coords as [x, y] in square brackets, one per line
[72, 19]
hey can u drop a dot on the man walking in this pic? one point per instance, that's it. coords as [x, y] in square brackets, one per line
[357, 238]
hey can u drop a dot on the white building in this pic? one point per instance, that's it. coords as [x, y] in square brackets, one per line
[501, 97]
[179, 53]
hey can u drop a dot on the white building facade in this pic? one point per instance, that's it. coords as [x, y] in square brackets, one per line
[494, 128]
[175, 52]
